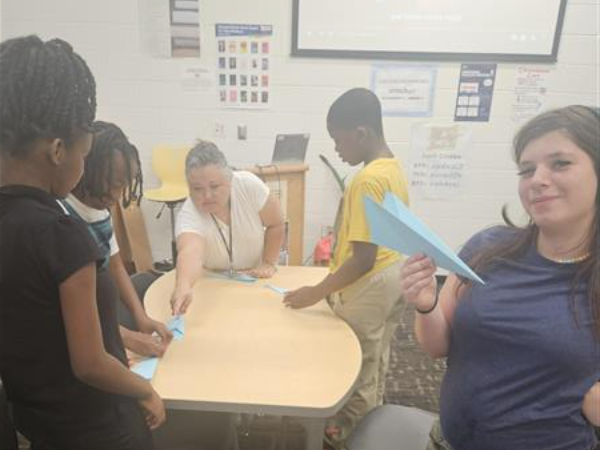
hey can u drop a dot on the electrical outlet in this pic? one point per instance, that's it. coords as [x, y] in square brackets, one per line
[242, 132]
[219, 131]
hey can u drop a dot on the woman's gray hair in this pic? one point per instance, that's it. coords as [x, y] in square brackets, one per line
[204, 154]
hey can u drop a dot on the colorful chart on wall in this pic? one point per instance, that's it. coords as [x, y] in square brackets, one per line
[475, 92]
[243, 65]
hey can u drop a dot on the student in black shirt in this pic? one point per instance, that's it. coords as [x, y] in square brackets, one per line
[66, 390]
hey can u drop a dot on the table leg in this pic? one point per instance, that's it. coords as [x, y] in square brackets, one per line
[315, 427]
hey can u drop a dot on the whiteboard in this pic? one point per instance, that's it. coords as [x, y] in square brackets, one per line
[495, 30]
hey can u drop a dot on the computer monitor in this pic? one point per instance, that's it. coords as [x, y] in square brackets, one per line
[290, 148]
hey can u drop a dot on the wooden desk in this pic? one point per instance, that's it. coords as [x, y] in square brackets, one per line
[286, 182]
[244, 352]
[132, 237]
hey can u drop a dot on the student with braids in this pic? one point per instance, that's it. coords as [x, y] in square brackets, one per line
[66, 390]
[113, 173]
[524, 349]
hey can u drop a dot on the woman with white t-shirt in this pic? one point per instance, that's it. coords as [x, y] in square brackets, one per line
[230, 222]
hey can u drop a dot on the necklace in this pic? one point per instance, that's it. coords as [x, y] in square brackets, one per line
[574, 260]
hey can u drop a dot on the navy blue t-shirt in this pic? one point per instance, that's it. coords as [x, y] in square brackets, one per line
[520, 361]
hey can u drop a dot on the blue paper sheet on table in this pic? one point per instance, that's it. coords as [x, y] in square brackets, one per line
[146, 368]
[392, 225]
[177, 327]
[236, 276]
[277, 289]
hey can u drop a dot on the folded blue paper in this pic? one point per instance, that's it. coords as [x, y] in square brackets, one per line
[177, 326]
[146, 368]
[236, 276]
[277, 289]
[392, 225]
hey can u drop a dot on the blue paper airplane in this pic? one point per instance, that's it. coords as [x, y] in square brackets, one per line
[177, 326]
[146, 368]
[392, 225]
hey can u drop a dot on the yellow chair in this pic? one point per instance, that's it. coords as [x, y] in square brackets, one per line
[168, 163]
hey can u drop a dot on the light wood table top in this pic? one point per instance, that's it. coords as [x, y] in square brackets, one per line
[243, 351]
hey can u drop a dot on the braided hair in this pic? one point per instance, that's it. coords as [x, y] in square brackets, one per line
[98, 174]
[46, 91]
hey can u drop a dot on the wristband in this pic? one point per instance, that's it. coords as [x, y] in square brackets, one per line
[435, 302]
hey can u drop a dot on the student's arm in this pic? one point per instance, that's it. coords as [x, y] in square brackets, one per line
[362, 260]
[141, 343]
[272, 219]
[591, 405]
[89, 360]
[128, 295]
[419, 288]
[190, 254]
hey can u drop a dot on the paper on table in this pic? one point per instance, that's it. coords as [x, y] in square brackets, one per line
[392, 225]
[177, 326]
[146, 368]
[277, 289]
[242, 277]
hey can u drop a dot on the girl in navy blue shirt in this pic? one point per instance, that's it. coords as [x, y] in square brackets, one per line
[524, 349]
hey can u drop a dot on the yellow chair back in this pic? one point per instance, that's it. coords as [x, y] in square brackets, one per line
[168, 163]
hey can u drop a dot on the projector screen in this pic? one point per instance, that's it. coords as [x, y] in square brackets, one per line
[495, 30]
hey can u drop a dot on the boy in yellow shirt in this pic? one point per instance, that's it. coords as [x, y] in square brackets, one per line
[362, 287]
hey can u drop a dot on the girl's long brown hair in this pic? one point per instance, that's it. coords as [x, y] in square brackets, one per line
[581, 124]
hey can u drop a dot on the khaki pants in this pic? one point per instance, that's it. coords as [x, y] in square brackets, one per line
[372, 308]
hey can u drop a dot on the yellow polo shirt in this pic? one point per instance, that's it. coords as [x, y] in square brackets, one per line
[375, 179]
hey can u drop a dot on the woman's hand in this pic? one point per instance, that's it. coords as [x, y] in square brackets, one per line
[263, 270]
[153, 409]
[180, 300]
[418, 283]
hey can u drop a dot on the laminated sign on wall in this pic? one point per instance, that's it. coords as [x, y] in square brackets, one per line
[243, 65]
[531, 86]
[475, 92]
[404, 90]
[185, 28]
[438, 165]
[170, 28]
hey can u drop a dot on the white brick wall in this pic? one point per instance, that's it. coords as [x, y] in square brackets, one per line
[145, 97]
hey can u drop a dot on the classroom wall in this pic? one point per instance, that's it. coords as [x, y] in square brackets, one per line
[145, 96]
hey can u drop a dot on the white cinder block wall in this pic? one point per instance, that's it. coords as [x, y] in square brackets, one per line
[144, 95]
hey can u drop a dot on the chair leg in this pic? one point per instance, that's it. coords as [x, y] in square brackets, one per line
[173, 241]
[283, 434]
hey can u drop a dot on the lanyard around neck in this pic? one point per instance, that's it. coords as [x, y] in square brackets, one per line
[228, 246]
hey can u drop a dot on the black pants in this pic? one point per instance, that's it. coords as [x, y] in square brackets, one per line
[198, 430]
[119, 428]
